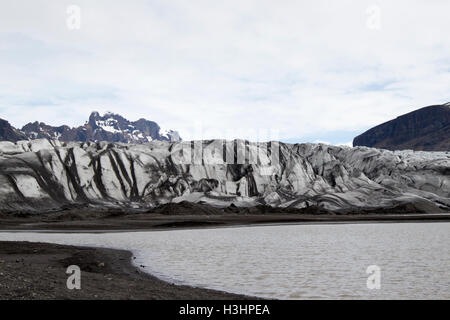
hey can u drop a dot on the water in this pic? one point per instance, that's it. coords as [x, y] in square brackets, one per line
[290, 261]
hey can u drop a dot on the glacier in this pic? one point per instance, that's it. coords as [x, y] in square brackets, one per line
[46, 174]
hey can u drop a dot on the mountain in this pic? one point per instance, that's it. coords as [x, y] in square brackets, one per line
[9, 133]
[43, 174]
[109, 127]
[426, 129]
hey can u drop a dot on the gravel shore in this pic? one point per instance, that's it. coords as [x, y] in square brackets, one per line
[38, 271]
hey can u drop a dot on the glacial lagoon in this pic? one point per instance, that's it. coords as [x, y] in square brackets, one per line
[325, 261]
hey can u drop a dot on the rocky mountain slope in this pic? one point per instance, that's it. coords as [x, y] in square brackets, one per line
[9, 133]
[45, 174]
[425, 129]
[108, 127]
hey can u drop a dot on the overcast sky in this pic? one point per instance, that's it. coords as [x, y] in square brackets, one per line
[307, 70]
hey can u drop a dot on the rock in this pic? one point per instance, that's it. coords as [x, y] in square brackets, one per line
[109, 127]
[232, 209]
[183, 208]
[426, 129]
[9, 133]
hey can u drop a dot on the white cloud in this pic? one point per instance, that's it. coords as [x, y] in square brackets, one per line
[301, 68]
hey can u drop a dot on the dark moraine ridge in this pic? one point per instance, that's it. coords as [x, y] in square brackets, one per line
[196, 215]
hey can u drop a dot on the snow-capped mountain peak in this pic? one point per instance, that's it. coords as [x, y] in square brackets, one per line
[110, 127]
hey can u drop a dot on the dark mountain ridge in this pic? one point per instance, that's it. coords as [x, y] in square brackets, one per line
[9, 133]
[425, 129]
[109, 127]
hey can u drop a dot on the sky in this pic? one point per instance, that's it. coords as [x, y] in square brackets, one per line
[296, 71]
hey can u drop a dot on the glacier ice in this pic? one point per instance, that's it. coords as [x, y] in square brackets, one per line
[45, 174]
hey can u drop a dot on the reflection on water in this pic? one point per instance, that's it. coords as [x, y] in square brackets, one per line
[291, 261]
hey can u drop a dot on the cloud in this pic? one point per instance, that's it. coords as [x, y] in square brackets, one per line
[212, 69]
